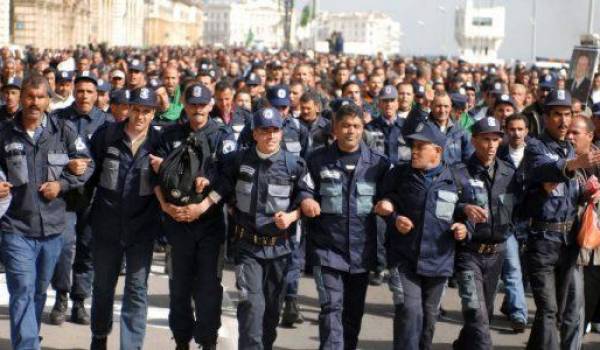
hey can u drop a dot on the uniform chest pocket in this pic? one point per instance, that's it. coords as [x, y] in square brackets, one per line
[365, 191]
[56, 164]
[145, 184]
[445, 204]
[331, 197]
[17, 170]
[278, 198]
[293, 146]
[109, 177]
[243, 195]
[506, 202]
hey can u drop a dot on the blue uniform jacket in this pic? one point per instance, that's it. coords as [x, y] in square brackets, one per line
[428, 249]
[319, 134]
[344, 236]
[295, 137]
[240, 118]
[546, 161]
[125, 208]
[458, 145]
[389, 139]
[28, 164]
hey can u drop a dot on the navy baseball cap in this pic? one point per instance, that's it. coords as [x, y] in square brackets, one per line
[103, 85]
[86, 75]
[547, 82]
[337, 103]
[253, 79]
[137, 65]
[143, 97]
[64, 75]
[428, 132]
[268, 117]
[197, 94]
[469, 86]
[505, 99]
[496, 88]
[487, 125]
[558, 98]
[596, 109]
[154, 83]
[389, 92]
[14, 82]
[120, 96]
[279, 96]
[458, 100]
[419, 90]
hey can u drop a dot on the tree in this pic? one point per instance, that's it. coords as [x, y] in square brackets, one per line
[306, 15]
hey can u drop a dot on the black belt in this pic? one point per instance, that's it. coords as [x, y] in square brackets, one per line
[241, 232]
[563, 227]
[485, 248]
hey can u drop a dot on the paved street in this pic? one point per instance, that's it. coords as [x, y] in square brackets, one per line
[376, 333]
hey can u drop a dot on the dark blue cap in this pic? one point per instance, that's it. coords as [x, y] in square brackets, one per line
[487, 125]
[143, 97]
[103, 85]
[268, 117]
[389, 92]
[419, 90]
[547, 82]
[469, 86]
[154, 83]
[458, 100]
[253, 79]
[14, 82]
[197, 94]
[596, 109]
[279, 96]
[136, 64]
[339, 102]
[120, 96]
[86, 75]
[558, 98]
[64, 75]
[428, 132]
[505, 99]
[496, 88]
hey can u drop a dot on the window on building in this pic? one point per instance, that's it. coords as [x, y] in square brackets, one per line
[482, 21]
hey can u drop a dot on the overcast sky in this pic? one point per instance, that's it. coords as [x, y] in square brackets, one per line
[558, 26]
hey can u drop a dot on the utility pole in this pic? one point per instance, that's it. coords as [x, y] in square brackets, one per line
[288, 7]
[590, 38]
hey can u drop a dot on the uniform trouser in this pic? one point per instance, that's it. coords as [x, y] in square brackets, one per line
[194, 276]
[591, 274]
[381, 251]
[342, 298]
[29, 264]
[61, 279]
[512, 276]
[260, 283]
[477, 276]
[417, 303]
[297, 261]
[108, 257]
[551, 267]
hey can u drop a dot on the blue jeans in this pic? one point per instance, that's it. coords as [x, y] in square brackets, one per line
[107, 264]
[512, 276]
[61, 279]
[29, 265]
[297, 261]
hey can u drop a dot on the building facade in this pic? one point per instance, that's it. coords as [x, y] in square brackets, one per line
[364, 33]
[251, 23]
[479, 32]
[173, 22]
[5, 22]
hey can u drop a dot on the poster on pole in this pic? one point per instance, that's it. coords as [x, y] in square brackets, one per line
[584, 64]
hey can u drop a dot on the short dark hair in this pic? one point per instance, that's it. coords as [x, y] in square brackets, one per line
[350, 82]
[349, 110]
[517, 116]
[222, 86]
[35, 81]
[311, 96]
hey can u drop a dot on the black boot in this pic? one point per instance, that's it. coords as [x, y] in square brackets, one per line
[78, 313]
[98, 343]
[57, 315]
[291, 313]
[182, 346]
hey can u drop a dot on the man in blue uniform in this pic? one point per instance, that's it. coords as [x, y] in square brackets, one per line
[10, 94]
[195, 236]
[343, 187]
[34, 151]
[264, 183]
[421, 203]
[552, 199]
[458, 147]
[87, 118]
[124, 221]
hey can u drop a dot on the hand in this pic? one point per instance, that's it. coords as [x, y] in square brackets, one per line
[78, 166]
[459, 230]
[192, 212]
[384, 207]
[5, 189]
[476, 213]
[173, 211]
[404, 225]
[201, 184]
[282, 220]
[587, 160]
[155, 162]
[310, 208]
[549, 186]
[50, 190]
